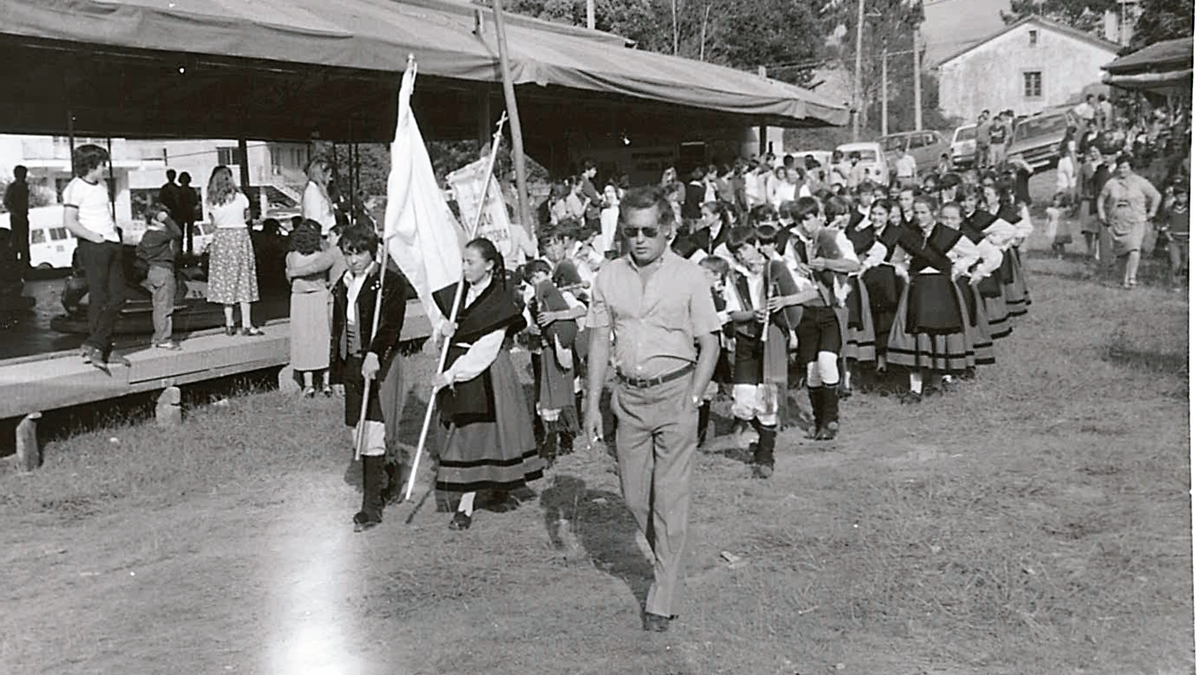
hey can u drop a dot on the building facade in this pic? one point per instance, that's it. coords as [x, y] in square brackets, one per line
[1030, 65]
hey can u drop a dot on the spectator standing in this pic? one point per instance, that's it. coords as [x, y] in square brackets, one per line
[168, 195]
[156, 251]
[87, 214]
[316, 204]
[1104, 112]
[661, 382]
[588, 188]
[1178, 230]
[983, 139]
[997, 141]
[310, 320]
[906, 167]
[232, 272]
[1125, 204]
[16, 200]
[189, 203]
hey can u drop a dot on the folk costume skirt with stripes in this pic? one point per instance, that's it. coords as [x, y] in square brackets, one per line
[995, 306]
[932, 329]
[492, 454]
[883, 290]
[860, 324]
[978, 327]
[1012, 281]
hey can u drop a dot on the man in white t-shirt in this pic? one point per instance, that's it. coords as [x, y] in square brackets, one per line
[906, 167]
[87, 214]
[1086, 111]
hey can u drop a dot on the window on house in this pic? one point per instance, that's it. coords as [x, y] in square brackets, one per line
[1033, 38]
[227, 156]
[1033, 84]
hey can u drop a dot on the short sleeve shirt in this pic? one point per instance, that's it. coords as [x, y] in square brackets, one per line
[231, 214]
[655, 323]
[91, 199]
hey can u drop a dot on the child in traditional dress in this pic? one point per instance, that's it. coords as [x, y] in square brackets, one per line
[718, 274]
[754, 301]
[1056, 230]
[363, 356]
[550, 310]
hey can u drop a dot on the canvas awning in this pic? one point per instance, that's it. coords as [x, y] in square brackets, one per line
[1163, 65]
[283, 69]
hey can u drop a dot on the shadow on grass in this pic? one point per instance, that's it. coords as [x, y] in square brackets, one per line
[599, 521]
[1120, 353]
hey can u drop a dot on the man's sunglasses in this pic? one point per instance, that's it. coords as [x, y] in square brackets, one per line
[647, 232]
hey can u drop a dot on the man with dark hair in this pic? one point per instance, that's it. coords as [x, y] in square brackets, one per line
[168, 196]
[16, 200]
[983, 128]
[657, 307]
[187, 201]
[87, 214]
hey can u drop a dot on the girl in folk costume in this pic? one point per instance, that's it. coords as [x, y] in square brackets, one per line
[932, 331]
[709, 235]
[718, 270]
[365, 362]
[760, 289]
[550, 309]
[1001, 202]
[823, 256]
[488, 441]
[950, 216]
[859, 344]
[871, 304]
[980, 226]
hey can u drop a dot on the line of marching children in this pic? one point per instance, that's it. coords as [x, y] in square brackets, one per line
[920, 282]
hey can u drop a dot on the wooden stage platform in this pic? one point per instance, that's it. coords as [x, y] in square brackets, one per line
[30, 385]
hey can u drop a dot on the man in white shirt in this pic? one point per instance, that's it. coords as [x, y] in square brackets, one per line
[1086, 111]
[87, 214]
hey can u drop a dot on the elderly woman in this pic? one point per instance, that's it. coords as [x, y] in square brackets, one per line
[1125, 203]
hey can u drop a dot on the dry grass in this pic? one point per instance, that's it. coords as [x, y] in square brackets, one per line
[1036, 522]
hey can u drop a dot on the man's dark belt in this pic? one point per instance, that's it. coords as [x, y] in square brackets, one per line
[641, 383]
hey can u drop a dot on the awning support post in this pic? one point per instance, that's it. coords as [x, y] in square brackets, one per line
[514, 120]
[243, 150]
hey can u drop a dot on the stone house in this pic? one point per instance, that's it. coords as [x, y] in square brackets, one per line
[1028, 66]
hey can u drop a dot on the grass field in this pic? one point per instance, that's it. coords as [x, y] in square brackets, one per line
[1036, 522]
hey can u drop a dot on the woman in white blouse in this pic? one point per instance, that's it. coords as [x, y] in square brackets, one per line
[488, 441]
[316, 204]
[232, 273]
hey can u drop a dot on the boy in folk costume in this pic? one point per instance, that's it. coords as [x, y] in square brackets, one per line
[551, 309]
[718, 274]
[824, 256]
[761, 289]
[366, 363]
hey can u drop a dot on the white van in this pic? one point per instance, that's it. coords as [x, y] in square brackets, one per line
[50, 244]
[870, 154]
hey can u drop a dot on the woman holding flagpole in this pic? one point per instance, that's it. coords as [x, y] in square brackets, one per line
[487, 441]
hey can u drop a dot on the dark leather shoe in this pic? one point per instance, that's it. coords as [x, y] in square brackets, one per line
[910, 397]
[655, 623]
[364, 522]
[460, 521]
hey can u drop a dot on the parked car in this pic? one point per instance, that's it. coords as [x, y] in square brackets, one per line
[50, 244]
[926, 147]
[962, 146]
[871, 154]
[1036, 138]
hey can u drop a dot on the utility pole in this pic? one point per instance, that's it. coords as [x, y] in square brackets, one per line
[917, 77]
[514, 119]
[591, 14]
[858, 93]
[704, 29]
[675, 27]
[883, 100]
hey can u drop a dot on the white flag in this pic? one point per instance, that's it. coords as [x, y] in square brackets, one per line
[424, 237]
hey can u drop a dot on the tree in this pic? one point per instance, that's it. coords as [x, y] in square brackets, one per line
[1085, 15]
[1164, 20]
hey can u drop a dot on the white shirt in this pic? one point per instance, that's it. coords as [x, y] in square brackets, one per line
[316, 206]
[906, 166]
[481, 353]
[231, 214]
[354, 286]
[91, 200]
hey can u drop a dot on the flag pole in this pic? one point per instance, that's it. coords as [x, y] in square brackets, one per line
[458, 294]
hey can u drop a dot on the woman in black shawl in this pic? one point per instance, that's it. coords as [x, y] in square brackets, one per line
[487, 440]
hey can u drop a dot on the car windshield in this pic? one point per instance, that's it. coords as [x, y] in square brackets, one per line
[1040, 126]
[964, 133]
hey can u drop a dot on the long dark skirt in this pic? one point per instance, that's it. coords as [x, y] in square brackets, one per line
[860, 334]
[1012, 279]
[932, 329]
[499, 454]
